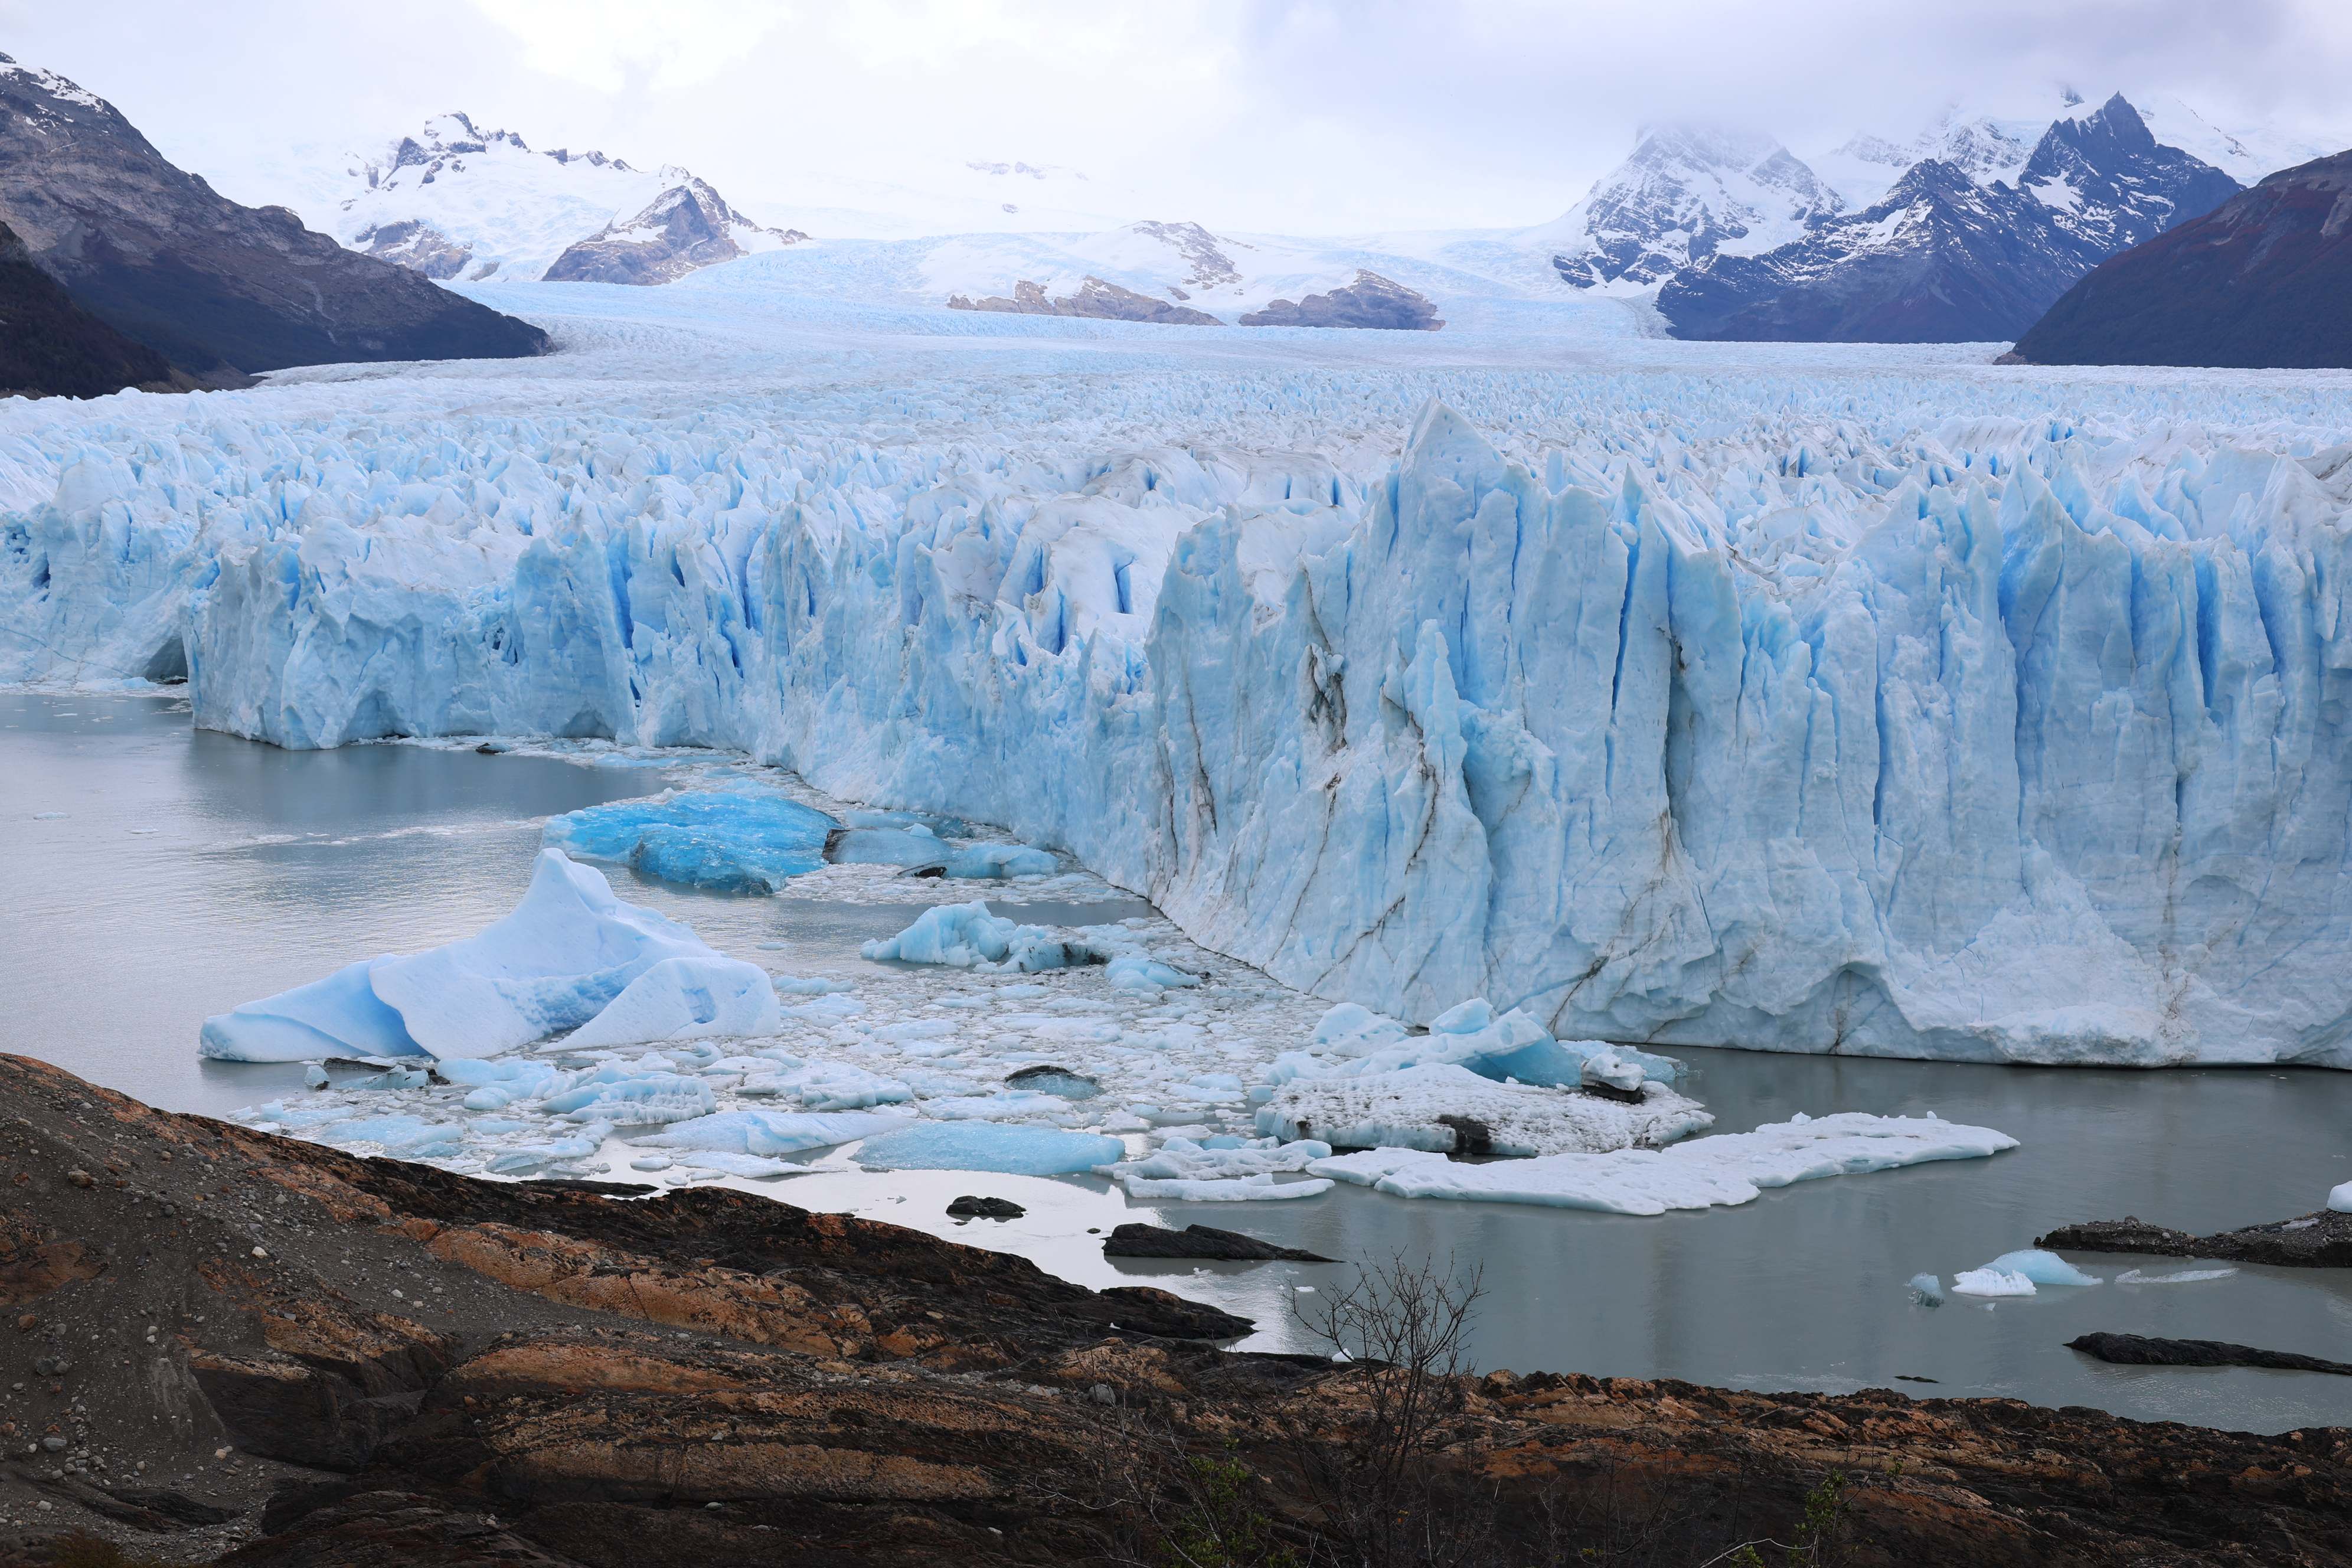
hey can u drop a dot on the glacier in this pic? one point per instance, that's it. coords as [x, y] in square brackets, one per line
[1776, 700]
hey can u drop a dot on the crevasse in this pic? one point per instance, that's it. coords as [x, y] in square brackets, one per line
[1999, 737]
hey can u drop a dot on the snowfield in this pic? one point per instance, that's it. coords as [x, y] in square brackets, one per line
[1800, 699]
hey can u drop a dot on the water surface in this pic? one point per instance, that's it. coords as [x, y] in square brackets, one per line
[190, 872]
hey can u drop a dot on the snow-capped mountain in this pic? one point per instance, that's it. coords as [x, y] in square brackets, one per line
[1686, 193]
[1173, 273]
[1949, 256]
[458, 201]
[1985, 147]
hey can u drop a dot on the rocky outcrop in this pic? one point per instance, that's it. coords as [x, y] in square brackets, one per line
[372, 1363]
[2139, 1349]
[417, 245]
[2321, 1240]
[1201, 1242]
[2259, 282]
[51, 347]
[1094, 298]
[685, 227]
[211, 286]
[1372, 300]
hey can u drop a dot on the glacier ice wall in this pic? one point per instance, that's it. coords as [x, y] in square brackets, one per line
[1836, 725]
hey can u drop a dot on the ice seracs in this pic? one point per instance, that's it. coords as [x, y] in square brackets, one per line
[570, 959]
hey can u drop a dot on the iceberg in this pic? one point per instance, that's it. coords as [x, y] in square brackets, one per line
[1893, 710]
[1002, 1147]
[572, 958]
[1991, 1282]
[1727, 1169]
[1928, 1289]
[2040, 1267]
[730, 840]
[2339, 1198]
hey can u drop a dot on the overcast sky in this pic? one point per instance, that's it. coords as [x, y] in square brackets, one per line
[1307, 116]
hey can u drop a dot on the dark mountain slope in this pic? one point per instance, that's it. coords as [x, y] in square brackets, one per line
[2265, 280]
[49, 346]
[164, 259]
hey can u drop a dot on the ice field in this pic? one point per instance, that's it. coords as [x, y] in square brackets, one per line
[1877, 701]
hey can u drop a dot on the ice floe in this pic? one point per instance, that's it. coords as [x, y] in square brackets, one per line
[1701, 1172]
[733, 840]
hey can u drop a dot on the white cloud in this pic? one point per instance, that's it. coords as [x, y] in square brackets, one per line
[1308, 115]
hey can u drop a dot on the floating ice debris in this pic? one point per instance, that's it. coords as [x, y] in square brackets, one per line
[1991, 1282]
[1511, 1045]
[733, 840]
[1223, 1170]
[1045, 1078]
[2339, 1197]
[49, 815]
[989, 1146]
[824, 1086]
[1233, 1190]
[1426, 1107]
[2042, 1266]
[1136, 972]
[1926, 1289]
[1728, 1168]
[1001, 862]
[916, 845]
[966, 936]
[2183, 1277]
[314, 1076]
[773, 1131]
[571, 957]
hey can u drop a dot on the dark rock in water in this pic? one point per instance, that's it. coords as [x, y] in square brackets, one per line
[970, 1208]
[2322, 1240]
[2139, 1350]
[215, 287]
[51, 347]
[1471, 1136]
[1200, 1241]
[1372, 300]
[1096, 297]
[1045, 1078]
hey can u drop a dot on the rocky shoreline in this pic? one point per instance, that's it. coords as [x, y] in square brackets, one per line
[220, 1345]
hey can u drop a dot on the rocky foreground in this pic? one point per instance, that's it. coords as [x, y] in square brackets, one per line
[220, 1345]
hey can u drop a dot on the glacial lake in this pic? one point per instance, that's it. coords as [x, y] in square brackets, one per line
[157, 874]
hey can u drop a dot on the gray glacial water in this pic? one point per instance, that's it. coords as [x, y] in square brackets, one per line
[190, 872]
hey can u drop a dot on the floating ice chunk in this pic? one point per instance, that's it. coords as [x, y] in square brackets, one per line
[314, 1076]
[734, 840]
[589, 1140]
[1350, 1026]
[2183, 1277]
[1000, 862]
[1239, 1189]
[1928, 1289]
[1428, 1107]
[409, 1135]
[1729, 1168]
[886, 847]
[2042, 1267]
[773, 1131]
[966, 936]
[568, 953]
[650, 1163]
[1991, 1282]
[1046, 1078]
[1137, 972]
[638, 1101]
[989, 1146]
[2339, 1198]
[830, 1085]
[748, 1165]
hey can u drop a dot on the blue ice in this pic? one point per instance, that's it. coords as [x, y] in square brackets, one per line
[990, 1146]
[730, 840]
